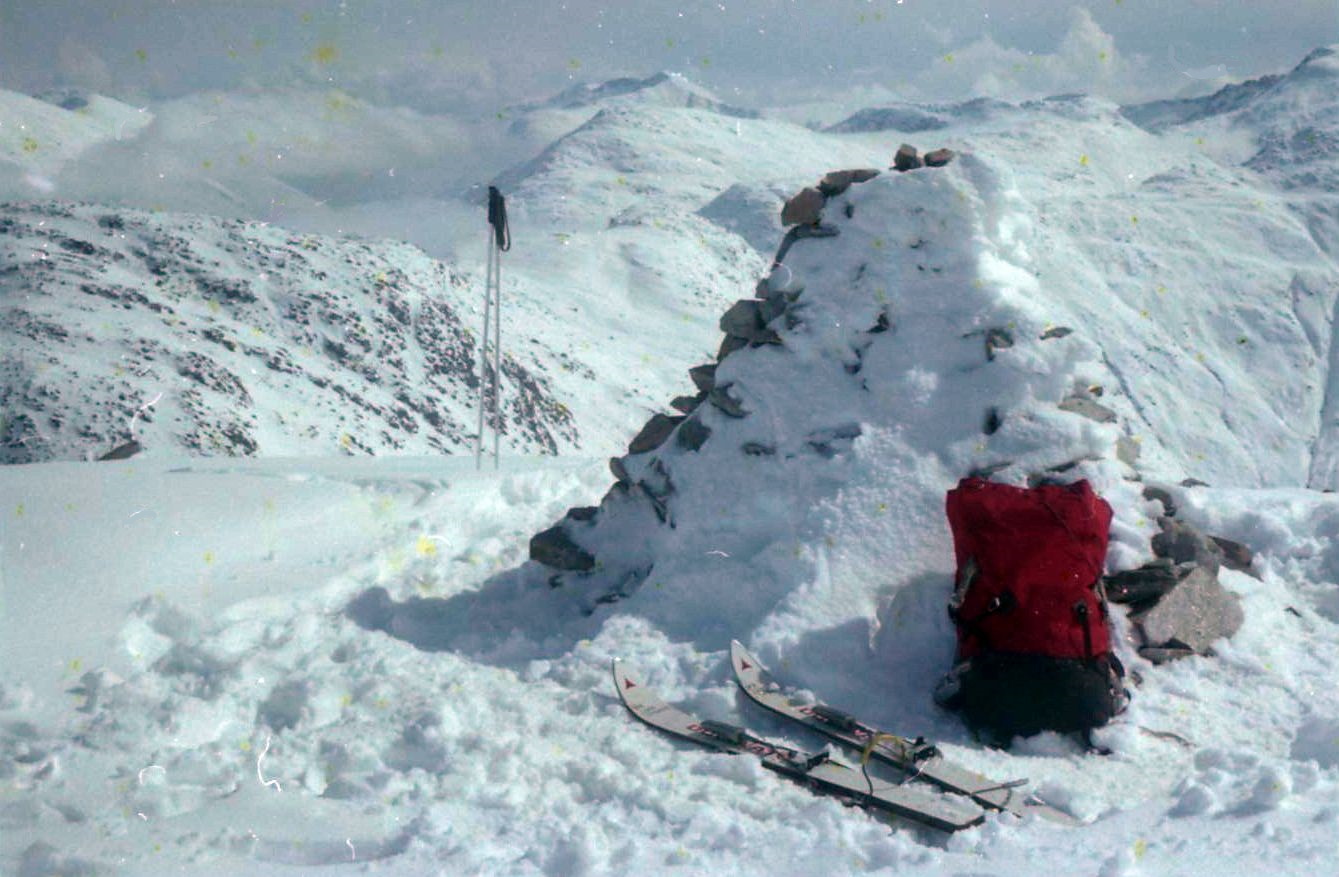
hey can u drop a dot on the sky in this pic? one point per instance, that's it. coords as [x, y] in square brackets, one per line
[449, 56]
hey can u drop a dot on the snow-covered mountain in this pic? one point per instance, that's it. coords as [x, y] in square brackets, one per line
[663, 89]
[41, 137]
[198, 335]
[1291, 120]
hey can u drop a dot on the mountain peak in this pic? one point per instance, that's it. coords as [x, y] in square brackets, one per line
[664, 88]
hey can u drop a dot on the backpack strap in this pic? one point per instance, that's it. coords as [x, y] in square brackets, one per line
[1001, 602]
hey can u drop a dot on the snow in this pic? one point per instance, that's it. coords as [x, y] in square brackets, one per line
[348, 665]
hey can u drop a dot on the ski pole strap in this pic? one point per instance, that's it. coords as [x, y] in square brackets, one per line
[497, 217]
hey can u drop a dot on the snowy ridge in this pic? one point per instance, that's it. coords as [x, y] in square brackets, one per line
[664, 89]
[207, 336]
[910, 118]
[1292, 118]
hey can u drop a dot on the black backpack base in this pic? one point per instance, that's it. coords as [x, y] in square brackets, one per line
[1002, 695]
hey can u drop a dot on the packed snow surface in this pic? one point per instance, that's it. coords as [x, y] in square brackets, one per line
[348, 665]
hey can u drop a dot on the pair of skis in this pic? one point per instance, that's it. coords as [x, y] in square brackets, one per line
[960, 801]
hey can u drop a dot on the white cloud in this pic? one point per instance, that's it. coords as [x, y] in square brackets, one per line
[1085, 60]
[78, 64]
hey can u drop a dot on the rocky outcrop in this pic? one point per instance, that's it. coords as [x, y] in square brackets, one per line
[906, 158]
[1177, 605]
[804, 208]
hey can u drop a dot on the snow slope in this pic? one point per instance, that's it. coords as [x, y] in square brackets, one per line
[193, 334]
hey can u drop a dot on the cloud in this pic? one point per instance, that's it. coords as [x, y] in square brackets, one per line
[77, 63]
[1084, 60]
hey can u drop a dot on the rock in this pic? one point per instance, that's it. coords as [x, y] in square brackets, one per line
[727, 404]
[687, 404]
[1182, 543]
[804, 208]
[555, 548]
[938, 157]
[758, 449]
[693, 434]
[1162, 496]
[1235, 556]
[993, 421]
[998, 339]
[771, 307]
[1089, 409]
[1191, 615]
[1145, 585]
[989, 470]
[123, 451]
[703, 377]
[657, 481]
[815, 229]
[583, 513]
[654, 433]
[1163, 654]
[765, 336]
[906, 158]
[743, 319]
[619, 471]
[729, 345]
[836, 182]
[1056, 332]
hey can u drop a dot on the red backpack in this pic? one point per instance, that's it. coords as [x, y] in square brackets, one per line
[1034, 652]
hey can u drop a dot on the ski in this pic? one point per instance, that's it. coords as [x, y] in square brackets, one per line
[918, 759]
[945, 812]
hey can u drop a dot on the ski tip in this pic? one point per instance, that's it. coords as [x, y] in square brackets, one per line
[742, 658]
[622, 681]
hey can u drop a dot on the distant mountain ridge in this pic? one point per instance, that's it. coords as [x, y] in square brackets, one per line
[1293, 119]
[664, 88]
[207, 336]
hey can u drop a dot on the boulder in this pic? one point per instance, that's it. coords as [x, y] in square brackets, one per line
[703, 377]
[619, 471]
[693, 434]
[1146, 585]
[726, 403]
[1235, 556]
[687, 404]
[938, 157]
[836, 182]
[583, 513]
[771, 307]
[654, 433]
[804, 208]
[743, 319]
[1181, 543]
[555, 548]
[1162, 496]
[729, 345]
[1193, 614]
[906, 158]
